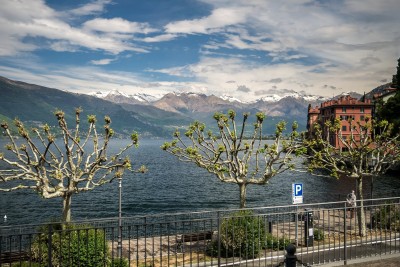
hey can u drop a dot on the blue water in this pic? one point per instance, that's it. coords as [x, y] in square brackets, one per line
[174, 186]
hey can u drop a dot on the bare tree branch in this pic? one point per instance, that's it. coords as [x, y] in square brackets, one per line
[52, 171]
[240, 160]
[369, 150]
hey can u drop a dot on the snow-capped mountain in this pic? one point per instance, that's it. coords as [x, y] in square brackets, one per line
[99, 94]
[350, 93]
[276, 95]
[230, 99]
[120, 97]
[276, 103]
[193, 102]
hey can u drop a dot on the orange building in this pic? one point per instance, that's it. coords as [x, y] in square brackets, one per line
[312, 119]
[345, 108]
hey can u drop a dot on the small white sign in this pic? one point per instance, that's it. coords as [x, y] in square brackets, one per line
[311, 232]
[297, 193]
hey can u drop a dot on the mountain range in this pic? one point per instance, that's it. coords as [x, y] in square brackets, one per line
[151, 116]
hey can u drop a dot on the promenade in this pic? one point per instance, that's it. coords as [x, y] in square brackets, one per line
[392, 260]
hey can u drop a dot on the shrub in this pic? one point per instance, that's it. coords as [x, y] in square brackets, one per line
[24, 264]
[275, 243]
[119, 262]
[242, 235]
[319, 234]
[72, 246]
[212, 249]
[387, 217]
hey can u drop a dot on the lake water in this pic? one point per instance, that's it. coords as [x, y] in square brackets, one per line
[174, 186]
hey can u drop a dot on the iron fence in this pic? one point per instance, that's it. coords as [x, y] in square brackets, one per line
[322, 233]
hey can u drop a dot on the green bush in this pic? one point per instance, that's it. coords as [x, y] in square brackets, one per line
[212, 249]
[319, 234]
[119, 262]
[275, 243]
[387, 217]
[24, 264]
[72, 246]
[242, 235]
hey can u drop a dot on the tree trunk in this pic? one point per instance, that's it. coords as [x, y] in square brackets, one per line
[66, 216]
[361, 212]
[242, 188]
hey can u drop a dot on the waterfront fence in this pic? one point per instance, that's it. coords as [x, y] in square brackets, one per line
[322, 233]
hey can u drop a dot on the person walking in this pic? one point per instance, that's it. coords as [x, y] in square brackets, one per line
[352, 204]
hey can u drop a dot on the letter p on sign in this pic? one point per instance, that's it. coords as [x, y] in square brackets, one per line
[298, 190]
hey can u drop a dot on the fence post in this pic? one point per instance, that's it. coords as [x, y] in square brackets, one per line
[219, 237]
[297, 225]
[290, 258]
[50, 245]
[345, 235]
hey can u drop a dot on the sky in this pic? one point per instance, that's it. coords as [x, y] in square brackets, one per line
[246, 49]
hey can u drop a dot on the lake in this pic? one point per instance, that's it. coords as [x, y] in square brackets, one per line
[173, 186]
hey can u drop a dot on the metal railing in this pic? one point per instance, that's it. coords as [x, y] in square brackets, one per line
[322, 233]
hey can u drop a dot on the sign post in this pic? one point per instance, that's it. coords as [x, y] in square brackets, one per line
[297, 198]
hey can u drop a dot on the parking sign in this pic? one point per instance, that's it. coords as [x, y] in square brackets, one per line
[297, 193]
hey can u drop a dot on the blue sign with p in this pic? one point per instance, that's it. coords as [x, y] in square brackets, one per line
[298, 190]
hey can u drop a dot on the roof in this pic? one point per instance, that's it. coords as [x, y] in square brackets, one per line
[346, 101]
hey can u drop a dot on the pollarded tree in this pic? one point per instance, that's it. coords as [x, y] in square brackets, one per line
[79, 164]
[396, 77]
[232, 156]
[369, 149]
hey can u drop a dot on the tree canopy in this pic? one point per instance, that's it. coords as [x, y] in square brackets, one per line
[79, 162]
[369, 149]
[390, 110]
[236, 155]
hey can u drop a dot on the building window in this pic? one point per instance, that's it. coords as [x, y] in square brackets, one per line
[344, 109]
[344, 128]
[362, 110]
[362, 118]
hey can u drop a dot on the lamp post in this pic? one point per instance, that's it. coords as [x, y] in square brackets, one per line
[120, 170]
[372, 162]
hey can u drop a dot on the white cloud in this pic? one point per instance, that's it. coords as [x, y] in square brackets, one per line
[160, 38]
[89, 79]
[104, 61]
[340, 31]
[32, 18]
[219, 18]
[117, 25]
[24, 11]
[63, 46]
[184, 71]
[214, 73]
[92, 8]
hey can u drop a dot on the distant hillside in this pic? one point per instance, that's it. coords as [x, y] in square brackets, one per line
[35, 105]
[377, 90]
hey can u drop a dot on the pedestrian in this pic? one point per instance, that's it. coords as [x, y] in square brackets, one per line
[352, 204]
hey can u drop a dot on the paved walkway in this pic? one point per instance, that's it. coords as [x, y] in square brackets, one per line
[379, 261]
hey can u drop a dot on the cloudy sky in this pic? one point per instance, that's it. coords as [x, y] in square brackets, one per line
[242, 48]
